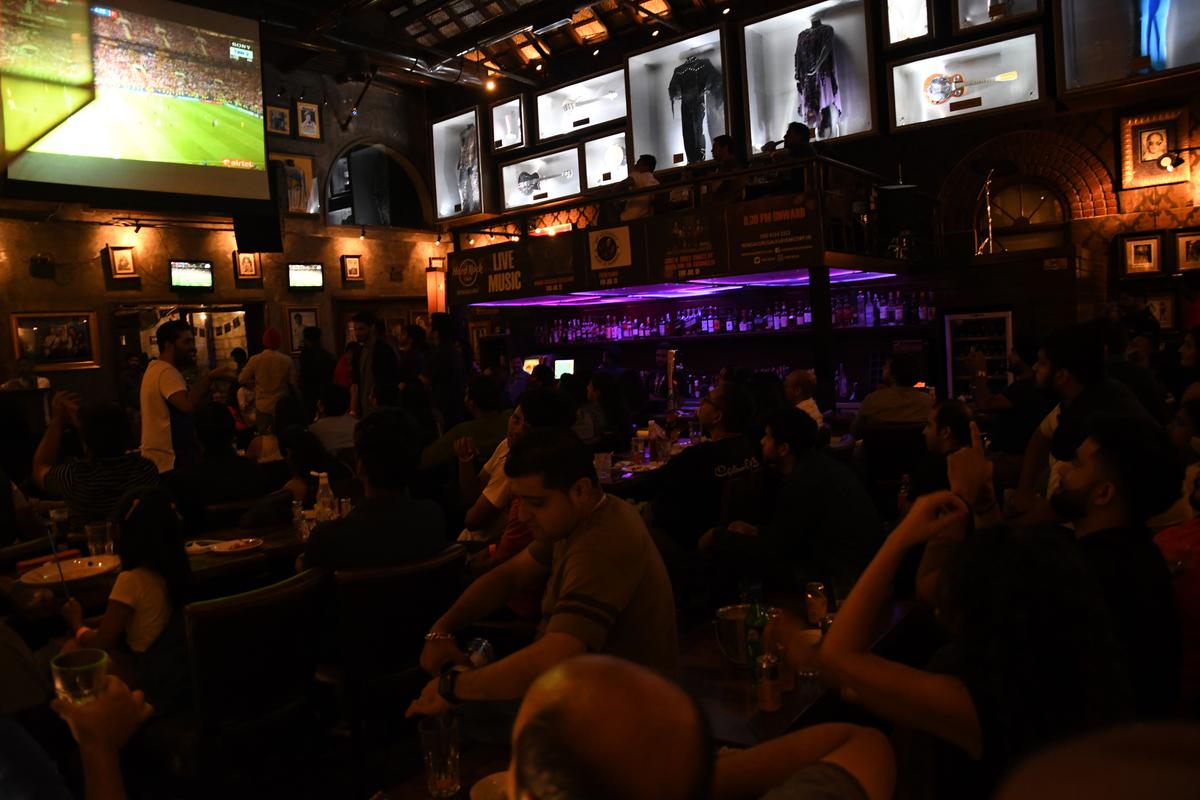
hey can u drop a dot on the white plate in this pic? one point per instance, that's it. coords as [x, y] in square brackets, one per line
[236, 546]
[493, 787]
[197, 546]
[75, 569]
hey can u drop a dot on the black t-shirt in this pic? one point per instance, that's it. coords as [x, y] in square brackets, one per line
[221, 479]
[380, 531]
[1012, 428]
[688, 488]
[1106, 396]
[1140, 381]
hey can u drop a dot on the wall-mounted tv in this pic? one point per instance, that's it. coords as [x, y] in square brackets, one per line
[178, 107]
[306, 277]
[187, 275]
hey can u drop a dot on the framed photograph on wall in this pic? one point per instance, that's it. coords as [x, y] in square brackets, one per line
[298, 177]
[1188, 250]
[279, 120]
[352, 268]
[1149, 144]
[299, 318]
[308, 120]
[57, 340]
[246, 266]
[1162, 306]
[1142, 255]
[120, 262]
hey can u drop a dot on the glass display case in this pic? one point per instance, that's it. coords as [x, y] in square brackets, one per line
[970, 14]
[811, 65]
[605, 160]
[677, 100]
[540, 179]
[456, 165]
[508, 124]
[906, 20]
[1105, 41]
[581, 105]
[967, 81]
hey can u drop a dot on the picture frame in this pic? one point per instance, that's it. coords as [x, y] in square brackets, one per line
[1143, 255]
[57, 340]
[1187, 250]
[279, 120]
[120, 262]
[299, 172]
[308, 120]
[1147, 138]
[1162, 306]
[299, 318]
[247, 266]
[352, 269]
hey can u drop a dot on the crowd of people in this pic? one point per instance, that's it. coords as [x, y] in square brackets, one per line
[1050, 526]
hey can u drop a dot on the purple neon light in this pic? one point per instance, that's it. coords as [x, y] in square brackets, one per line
[798, 277]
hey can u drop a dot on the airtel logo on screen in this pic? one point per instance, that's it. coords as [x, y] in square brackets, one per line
[467, 271]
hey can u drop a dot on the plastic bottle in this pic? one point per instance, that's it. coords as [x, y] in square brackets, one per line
[756, 624]
[326, 504]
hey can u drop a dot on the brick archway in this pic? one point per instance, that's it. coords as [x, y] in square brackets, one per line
[1083, 180]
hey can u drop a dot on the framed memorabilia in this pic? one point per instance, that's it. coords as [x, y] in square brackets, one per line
[1142, 255]
[1148, 143]
[581, 105]
[279, 120]
[970, 15]
[456, 175]
[1107, 42]
[1162, 306]
[57, 340]
[299, 318]
[476, 332]
[605, 160]
[1188, 250]
[352, 268]
[302, 197]
[540, 179]
[907, 21]
[308, 120]
[120, 262]
[246, 266]
[508, 124]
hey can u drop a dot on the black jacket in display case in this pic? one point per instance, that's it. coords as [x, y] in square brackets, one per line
[694, 83]
[816, 78]
[468, 170]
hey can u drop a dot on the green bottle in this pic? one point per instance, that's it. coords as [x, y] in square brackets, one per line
[756, 623]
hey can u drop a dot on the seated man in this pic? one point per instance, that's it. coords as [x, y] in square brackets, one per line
[599, 727]
[607, 592]
[26, 377]
[897, 401]
[800, 387]
[388, 526]
[947, 430]
[93, 485]
[334, 426]
[487, 427]
[824, 526]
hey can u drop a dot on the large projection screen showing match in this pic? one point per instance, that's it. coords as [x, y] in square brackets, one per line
[178, 107]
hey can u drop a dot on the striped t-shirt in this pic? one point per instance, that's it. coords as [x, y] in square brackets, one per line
[93, 486]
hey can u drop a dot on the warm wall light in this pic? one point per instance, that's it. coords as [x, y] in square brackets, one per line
[724, 11]
[435, 284]
[362, 232]
[552, 230]
[490, 85]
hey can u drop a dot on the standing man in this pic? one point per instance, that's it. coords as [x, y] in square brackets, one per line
[270, 373]
[168, 437]
[641, 177]
[376, 371]
[316, 369]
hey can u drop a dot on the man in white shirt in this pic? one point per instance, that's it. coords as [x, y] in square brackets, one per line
[641, 177]
[334, 425]
[800, 387]
[271, 374]
[167, 403]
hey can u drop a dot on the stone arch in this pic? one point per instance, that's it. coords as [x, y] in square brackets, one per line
[1078, 174]
[405, 163]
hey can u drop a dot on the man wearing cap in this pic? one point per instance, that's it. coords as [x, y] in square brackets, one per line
[271, 374]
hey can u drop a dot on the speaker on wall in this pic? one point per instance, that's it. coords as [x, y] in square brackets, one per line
[260, 230]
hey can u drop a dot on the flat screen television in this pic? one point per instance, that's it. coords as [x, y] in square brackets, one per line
[191, 275]
[528, 364]
[562, 366]
[178, 107]
[306, 277]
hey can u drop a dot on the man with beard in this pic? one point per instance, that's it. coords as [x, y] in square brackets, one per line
[168, 436]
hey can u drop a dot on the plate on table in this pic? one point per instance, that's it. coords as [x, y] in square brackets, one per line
[236, 546]
[493, 787]
[197, 546]
[74, 569]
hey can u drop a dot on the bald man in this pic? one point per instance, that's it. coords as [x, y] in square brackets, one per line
[599, 727]
[800, 387]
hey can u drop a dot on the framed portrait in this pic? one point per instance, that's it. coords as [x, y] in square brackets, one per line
[298, 177]
[308, 120]
[57, 340]
[1147, 144]
[1162, 306]
[120, 262]
[477, 331]
[279, 120]
[1188, 250]
[1142, 255]
[246, 266]
[352, 268]
[299, 318]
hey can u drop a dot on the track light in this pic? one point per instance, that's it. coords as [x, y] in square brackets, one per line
[1171, 161]
[538, 67]
[362, 232]
[596, 52]
[471, 240]
[725, 11]
[654, 33]
[137, 226]
[439, 240]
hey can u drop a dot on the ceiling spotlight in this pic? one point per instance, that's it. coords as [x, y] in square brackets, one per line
[1171, 161]
[279, 92]
[725, 11]
[439, 240]
[514, 238]
[655, 32]
[596, 52]
[538, 67]
[471, 240]
[362, 232]
[490, 85]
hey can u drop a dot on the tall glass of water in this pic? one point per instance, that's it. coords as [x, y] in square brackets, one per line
[99, 538]
[439, 746]
[80, 675]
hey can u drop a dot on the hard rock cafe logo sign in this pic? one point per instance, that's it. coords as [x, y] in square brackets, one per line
[466, 272]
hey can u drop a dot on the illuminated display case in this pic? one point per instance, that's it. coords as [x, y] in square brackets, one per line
[969, 80]
[540, 179]
[456, 165]
[972, 14]
[677, 100]
[605, 160]
[1106, 41]
[581, 105]
[508, 124]
[907, 21]
[810, 65]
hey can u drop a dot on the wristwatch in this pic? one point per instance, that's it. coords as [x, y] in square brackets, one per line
[446, 683]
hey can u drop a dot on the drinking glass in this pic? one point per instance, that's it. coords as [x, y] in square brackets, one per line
[59, 528]
[344, 506]
[439, 746]
[79, 676]
[99, 538]
[603, 463]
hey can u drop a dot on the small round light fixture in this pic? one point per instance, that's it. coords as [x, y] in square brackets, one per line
[362, 232]
[1171, 161]
[654, 33]
[538, 67]
[490, 85]
[596, 52]
[725, 11]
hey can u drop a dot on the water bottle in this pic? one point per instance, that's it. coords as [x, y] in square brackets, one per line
[326, 502]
